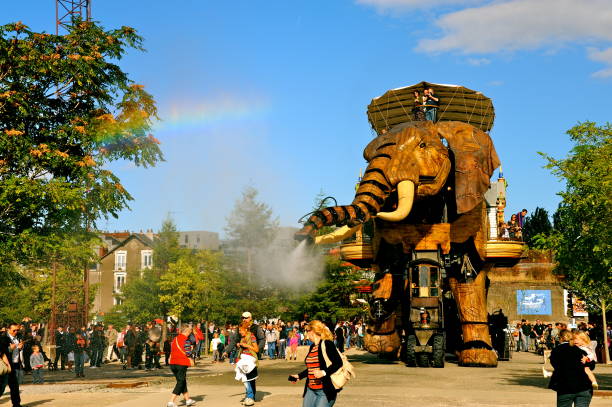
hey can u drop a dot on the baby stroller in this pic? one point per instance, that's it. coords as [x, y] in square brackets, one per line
[540, 345]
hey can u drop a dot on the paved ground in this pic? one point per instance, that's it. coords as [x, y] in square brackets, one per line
[379, 383]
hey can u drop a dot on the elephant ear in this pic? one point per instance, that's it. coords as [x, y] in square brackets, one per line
[370, 151]
[475, 161]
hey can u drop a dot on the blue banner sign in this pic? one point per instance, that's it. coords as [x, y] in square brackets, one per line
[533, 302]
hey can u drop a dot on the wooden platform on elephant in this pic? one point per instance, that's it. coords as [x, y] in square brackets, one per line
[429, 236]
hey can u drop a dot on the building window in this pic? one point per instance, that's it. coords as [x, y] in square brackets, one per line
[117, 301]
[120, 260]
[146, 259]
[186, 239]
[119, 281]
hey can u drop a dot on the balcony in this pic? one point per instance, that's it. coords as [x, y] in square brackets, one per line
[504, 249]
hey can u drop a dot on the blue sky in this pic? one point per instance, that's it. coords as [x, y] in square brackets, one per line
[273, 93]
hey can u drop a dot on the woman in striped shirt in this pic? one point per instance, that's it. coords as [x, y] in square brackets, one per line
[319, 390]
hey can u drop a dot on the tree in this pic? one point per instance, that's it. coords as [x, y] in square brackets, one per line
[67, 110]
[59, 254]
[250, 226]
[331, 300]
[582, 239]
[141, 295]
[537, 223]
[251, 223]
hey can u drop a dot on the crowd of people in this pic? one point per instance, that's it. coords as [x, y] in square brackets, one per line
[137, 346]
[541, 336]
[242, 345]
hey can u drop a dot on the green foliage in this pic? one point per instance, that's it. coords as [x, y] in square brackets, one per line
[67, 111]
[31, 292]
[141, 296]
[583, 223]
[331, 300]
[537, 223]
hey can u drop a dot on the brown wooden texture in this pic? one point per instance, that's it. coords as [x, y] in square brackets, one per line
[456, 103]
[418, 237]
[383, 287]
[382, 337]
[471, 224]
[471, 301]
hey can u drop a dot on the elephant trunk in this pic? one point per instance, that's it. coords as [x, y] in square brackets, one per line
[369, 198]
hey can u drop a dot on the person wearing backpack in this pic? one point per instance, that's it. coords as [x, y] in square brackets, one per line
[322, 361]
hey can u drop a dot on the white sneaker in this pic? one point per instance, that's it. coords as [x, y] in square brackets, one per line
[190, 402]
[171, 404]
[249, 402]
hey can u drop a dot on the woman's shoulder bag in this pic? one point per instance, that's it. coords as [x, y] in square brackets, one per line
[341, 376]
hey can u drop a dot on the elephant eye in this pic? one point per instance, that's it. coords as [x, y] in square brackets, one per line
[422, 145]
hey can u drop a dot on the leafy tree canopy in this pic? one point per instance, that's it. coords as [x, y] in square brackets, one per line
[66, 110]
[251, 223]
[537, 223]
[583, 223]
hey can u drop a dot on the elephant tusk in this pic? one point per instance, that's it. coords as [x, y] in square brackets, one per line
[405, 197]
[337, 235]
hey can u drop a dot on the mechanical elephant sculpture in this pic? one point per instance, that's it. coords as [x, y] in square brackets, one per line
[423, 188]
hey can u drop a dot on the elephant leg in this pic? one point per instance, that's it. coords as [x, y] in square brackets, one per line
[382, 337]
[472, 306]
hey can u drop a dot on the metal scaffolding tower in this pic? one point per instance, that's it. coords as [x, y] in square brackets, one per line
[67, 10]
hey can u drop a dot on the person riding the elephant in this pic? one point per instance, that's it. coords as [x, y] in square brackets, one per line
[432, 103]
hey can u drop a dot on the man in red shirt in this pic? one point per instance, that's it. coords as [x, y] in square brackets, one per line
[180, 360]
[197, 331]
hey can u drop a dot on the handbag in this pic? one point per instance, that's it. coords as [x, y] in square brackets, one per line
[341, 376]
[4, 368]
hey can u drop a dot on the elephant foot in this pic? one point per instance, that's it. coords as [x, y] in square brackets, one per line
[382, 344]
[477, 357]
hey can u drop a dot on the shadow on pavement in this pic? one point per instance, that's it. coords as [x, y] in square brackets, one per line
[261, 394]
[370, 359]
[38, 403]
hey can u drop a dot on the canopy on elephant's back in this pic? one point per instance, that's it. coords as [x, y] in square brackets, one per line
[457, 103]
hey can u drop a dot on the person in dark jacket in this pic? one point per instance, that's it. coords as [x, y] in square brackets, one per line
[11, 345]
[569, 379]
[60, 353]
[234, 339]
[319, 390]
[339, 331]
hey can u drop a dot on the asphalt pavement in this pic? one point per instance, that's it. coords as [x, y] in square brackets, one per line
[379, 382]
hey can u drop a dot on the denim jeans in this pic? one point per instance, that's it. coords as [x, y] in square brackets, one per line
[37, 376]
[430, 114]
[582, 399]
[348, 342]
[316, 398]
[79, 361]
[271, 350]
[249, 388]
[282, 347]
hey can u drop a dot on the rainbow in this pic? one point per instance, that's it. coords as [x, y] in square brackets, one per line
[185, 116]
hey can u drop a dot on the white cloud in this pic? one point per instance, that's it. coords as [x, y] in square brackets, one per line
[478, 61]
[604, 56]
[407, 4]
[521, 24]
[514, 25]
